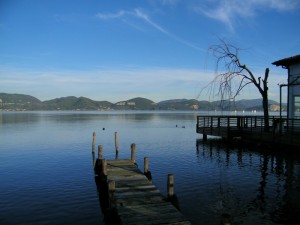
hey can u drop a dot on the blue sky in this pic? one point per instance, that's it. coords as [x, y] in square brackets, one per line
[158, 49]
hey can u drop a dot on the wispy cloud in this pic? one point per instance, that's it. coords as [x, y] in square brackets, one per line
[117, 84]
[229, 11]
[139, 14]
[105, 84]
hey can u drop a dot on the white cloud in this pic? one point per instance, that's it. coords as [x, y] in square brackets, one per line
[138, 13]
[229, 11]
[122, 84]
[106, 84]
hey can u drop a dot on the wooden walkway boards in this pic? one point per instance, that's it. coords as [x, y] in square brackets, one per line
[136, 199]
[128, 196]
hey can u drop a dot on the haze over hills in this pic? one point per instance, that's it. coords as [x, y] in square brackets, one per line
[27, 102]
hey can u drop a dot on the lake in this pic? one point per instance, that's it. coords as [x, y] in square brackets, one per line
[47, 176]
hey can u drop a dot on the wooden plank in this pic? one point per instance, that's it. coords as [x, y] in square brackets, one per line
[136, 199]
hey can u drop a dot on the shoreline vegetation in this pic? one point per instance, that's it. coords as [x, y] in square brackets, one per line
[20, 102]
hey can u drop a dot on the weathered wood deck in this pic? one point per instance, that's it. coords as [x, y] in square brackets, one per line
[251, 128]
[136, 199]
[131, 196]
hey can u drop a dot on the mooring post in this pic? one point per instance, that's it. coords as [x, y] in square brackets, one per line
[146, 165]
[94, 138]
[100, 151]
[104, 167]
[170, 185]
[94, 159]
[111, 189]
[133, 152]
[116, 142]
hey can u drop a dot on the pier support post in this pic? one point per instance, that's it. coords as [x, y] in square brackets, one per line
[94, 138]
[170, 185]
[104, 167]
[204, 137]
[116, 142]
[133, 152]
[147, 173]
[146, 165]
[111, 189]
[100, 151]
[94, 159]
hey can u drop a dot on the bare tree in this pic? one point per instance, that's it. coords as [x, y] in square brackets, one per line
[236, 76]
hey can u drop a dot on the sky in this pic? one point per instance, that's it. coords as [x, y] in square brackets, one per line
[157, 49]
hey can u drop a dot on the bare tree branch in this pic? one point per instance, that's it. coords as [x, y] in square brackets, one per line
[236, 75]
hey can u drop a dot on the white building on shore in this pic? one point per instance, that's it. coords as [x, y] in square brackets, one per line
[292, 64]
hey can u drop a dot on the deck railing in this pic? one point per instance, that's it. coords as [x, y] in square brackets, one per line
[277, 125]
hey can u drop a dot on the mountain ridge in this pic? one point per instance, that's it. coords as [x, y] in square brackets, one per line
[28, 102]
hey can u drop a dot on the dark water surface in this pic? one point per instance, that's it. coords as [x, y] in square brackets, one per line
[46, 170]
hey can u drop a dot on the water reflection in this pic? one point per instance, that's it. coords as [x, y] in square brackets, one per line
[257, 186]
[18, 117]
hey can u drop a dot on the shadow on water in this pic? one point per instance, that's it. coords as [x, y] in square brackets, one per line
[275, 179]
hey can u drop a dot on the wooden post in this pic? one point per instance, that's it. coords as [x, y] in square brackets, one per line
[111, 185]
[204, 137]
[133, 152]
[104, 167]
[170, 185]
[100, 151]
[146, 165]
[94, 159]
[116, 142]
[94, 138]
[111, 190]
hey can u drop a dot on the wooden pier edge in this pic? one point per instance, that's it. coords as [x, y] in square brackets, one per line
[128, 196]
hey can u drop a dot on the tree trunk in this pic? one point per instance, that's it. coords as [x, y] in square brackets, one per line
[266, 100]
[266, 111]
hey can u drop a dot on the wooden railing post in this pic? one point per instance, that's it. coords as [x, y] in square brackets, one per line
[170, 185]
[111, 189]
[146, 165]
[94, 138]
[100, 151]
[133, 152]
[116, 142]
[104, 167]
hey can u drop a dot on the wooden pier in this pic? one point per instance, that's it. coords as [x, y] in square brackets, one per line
[282, 131]
[129, 195]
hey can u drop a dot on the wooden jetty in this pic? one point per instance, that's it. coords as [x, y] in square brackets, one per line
[282, 131]
[131, 197]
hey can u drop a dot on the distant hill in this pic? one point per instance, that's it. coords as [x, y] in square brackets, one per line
[135, 104]
[244, 104]
[27, 102]
[74, 103]
[183, 104]
[19, 102]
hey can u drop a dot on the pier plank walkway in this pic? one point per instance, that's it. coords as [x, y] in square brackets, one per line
[128, 197]
[136, 199]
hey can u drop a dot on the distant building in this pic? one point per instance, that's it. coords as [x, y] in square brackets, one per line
[121, 103]
[131, 103]
[292, 64]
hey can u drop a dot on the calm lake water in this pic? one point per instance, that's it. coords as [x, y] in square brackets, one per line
[47, 177]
